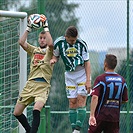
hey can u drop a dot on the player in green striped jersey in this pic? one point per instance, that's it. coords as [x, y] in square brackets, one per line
[75, 55]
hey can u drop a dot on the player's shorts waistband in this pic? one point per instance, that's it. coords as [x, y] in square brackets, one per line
[40, 79]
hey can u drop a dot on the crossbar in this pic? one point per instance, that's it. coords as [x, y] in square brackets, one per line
[13, 14]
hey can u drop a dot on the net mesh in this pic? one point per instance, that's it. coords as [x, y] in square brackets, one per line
[102, 24]
[9, 73]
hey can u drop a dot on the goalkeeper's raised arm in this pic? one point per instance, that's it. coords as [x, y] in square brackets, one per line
[37, 21]
[49, 40]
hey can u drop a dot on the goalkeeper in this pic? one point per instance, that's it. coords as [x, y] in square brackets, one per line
[38, 85]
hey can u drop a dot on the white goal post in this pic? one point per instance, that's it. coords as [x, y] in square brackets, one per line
[23, 54]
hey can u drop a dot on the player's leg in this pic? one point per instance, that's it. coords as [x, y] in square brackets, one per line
[36, 116]
[23, 100]
[81, 99]
[41, 92]
[111, 127]
[72, 96]
[81, 112]
[77, 112]
[21, 117]
[73, 112]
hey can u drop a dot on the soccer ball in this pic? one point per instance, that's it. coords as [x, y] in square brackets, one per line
[35, 21]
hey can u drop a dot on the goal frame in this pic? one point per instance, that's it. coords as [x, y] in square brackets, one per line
[23, 54]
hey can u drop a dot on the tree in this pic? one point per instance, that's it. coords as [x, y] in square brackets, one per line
[8, 4]
[60, 15]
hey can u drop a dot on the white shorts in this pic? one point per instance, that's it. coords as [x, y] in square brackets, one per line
[75, 83]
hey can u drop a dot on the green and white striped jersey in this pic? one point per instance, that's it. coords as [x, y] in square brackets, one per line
[72, 55]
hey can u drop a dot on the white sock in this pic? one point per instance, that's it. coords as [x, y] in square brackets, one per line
[76, 131]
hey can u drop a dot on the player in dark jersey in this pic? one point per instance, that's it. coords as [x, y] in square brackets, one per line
[108, 93]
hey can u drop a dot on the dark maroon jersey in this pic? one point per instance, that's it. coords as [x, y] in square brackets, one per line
[111, 90]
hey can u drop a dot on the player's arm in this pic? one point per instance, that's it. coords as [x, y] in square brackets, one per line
[94, 102]
[56, 54]
[125, 94]
[22, 41]
[49, 39]
[88, 75]
[54, 60]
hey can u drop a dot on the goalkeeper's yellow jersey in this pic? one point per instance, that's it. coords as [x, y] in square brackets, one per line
[40, 63]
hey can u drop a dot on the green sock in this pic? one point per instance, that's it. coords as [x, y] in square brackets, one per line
[81, 115]
[73, 117]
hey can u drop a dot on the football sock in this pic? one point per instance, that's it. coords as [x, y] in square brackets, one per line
[81, 115]
[36, 121]
[23, 120]
[73, 117]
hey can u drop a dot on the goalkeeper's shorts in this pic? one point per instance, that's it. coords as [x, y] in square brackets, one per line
[34, 91]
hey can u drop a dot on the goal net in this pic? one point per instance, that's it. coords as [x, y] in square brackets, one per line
[10, 70]
[14, 67]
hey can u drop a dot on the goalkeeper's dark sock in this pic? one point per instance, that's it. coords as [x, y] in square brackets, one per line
[73, 117]
[23, 120]
[36, 121]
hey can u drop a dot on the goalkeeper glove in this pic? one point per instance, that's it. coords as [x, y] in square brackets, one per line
[44, 21]
[45, 26]
[29, 25]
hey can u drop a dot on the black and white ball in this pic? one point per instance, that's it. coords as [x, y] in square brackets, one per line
[35, 21]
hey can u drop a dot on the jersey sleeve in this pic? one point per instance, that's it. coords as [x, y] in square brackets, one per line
[96, 88]
[85, 54]
[56, 52]
[125, 94]
[56, 47]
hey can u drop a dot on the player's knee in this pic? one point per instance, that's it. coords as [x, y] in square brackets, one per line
[73, 103]
[17, 112]
[81, 101]
[38, 105]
